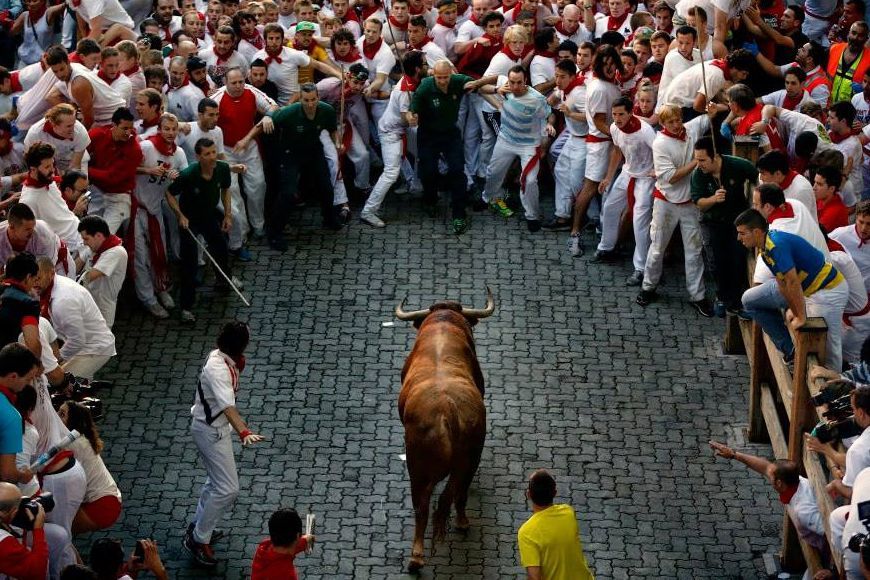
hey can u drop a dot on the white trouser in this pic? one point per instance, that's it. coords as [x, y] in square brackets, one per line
[837, 520]
[503, 156]
[829, 304]
[816, 29]
[144, 280]
[60, 550]
[469, 124]
[665, 217]
[254, 180]
[487, 135]
[221, 487]
[358, 154]
[115, 210]
[339, 196]
[641, 218]
[392, 146]
[377, 108]
[854, 335]
[85, 365]
[614, 207]
[569, 171]
[69, 490]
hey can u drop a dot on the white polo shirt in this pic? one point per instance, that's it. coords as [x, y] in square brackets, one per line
[216, 389]
[64, 149]
[78, 321]
[285, 74]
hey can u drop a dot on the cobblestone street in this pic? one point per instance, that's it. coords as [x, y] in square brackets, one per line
[618, 402]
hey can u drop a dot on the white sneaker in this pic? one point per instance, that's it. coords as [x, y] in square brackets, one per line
[372, 219]
[156, 310]
[166, 300]
[187, 316]
[575, 247]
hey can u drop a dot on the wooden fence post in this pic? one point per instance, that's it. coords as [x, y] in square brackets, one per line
[746, 146]
[759, 372]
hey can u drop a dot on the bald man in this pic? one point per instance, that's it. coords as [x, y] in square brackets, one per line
[569, 27]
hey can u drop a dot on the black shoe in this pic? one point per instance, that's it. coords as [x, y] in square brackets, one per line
[479, 205]
[557, 224]
[344, 215]
[636, 279]
[533, 225]
[704, 307]
[202, 554]
[646, 297]
[278, 244]
[602, 256]
[216, 535]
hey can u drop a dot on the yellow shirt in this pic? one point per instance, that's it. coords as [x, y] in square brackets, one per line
[306, 73]
[550, 539]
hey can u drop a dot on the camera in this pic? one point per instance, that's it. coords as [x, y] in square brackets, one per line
[860, 543]
[827, 432]
[839, 409]
[29, 507]
[833, 391]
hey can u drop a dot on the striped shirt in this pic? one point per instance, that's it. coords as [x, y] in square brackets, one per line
[523, 118]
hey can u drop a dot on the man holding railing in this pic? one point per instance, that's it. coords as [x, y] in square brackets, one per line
[806, 284]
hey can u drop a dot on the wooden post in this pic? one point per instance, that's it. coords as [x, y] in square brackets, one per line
[791, 557]
[746, 146]
[759, 372]
[733, 342]
[810, 339]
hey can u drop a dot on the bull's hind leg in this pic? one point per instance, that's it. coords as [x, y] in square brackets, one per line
[421, 496]
[464, 478]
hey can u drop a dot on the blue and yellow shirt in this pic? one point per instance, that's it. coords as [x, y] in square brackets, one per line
[784, 251]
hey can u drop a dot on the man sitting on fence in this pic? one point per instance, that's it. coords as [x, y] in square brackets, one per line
[807, 284]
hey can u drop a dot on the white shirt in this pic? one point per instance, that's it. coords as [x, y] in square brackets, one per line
[188, 143]
[150, 189]
[64, 149]
[685, 87]
[113, 264]
[433, 53]
[218, 383]
[804, 513]
[796, 123]
[100, 482]
[854, 184]
[217, 68]
[778, 98]
[183, 102]
[78, 321]
[844, 264]
[599, 99]
[32, 104]
[675, 64]
[601, 26]
[669, 154]
[49, 206]
[857, 458]
[123, 87]
[636, 147]
[860, 251]
[382, 62]
[542, 69]
[391, 121]
[468, 31]
[576, 103]
[444, 37]
[800, 189]
[110, 10]
[106, 99]
[285, 75]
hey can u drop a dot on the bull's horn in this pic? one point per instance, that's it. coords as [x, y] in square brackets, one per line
[412, 315]
[481, 312]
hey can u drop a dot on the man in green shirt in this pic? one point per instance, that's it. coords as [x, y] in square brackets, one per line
[434, 110]
[194, 197]
[298, 128]
[719, 191]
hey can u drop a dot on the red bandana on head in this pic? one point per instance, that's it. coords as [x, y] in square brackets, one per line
[370, 50]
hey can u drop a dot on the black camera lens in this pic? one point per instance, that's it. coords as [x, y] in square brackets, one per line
[856, 542]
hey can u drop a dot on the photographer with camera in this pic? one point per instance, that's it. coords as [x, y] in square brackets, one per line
[28, 555]
[107, 560]
[857, 456]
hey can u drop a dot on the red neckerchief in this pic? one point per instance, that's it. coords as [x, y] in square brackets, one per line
[507, 50]
[834, 245]
[36, 182]
[785, 211]
[723, 66]
[45, 300]
[164, 148]
[222, 58]
[111, 242]
[578, 81]
[444, 24]
[632, 126]
[370, 50]
[861, 241]
[256, 40]
[270, 58]
[306, 49]
[547, 54]
[785, 496]
[351, 57]
[786, 181]
[681, 135]
[11, 396]
[102, 74]
[408, 84]
[616, 23]
[240, 362]
[790, 103]
[368, 11]
[75, 58]
[561, 30]
[396, 24]
[132, 71]
[350, 16]
[474, 19]
[426, 40]
[837, 137]
[35, 15]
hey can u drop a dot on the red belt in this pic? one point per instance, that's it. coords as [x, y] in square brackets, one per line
[848, 316]
[659, 195]
[596, 139]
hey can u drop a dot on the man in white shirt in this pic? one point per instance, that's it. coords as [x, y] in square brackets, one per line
[96, 100]
[856, 239]
[773, 167]
[106, 268]
[67, 135]
[696, 86]
[283, 64]
[444, 31]
[222, 56]
[682, 59]
[188, 85]
[88, 344]
[379, 59]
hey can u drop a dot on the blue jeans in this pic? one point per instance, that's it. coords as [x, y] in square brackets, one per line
[765, 303]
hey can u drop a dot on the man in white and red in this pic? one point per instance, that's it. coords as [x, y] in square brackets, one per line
[471, 29]
[673, 161]
[396, 26]
[188, 85]
[42, 195]
[856, 239]
[371, 9]
[773, 167]
[682, 59]
[540, 10]
[149, 106]
[379, 59]
[619, 20]
[65, 133]
[342, 10]
[419, 39]
[632, 151]
[283, 63]
[115, 155]
[424, 8]
[128, 56]
[12, 164]
[856, 316]
[542, 69]
[222, 56]
[193, 25]
[162, 159]
[444, 31]
[104, 271]
[110, 73]
[96, 100]
[22, 232]
[240, 106]
[343, 50]
[213, 12]
[569, 27]
[167, 20]
[793, 95]
[250, 39]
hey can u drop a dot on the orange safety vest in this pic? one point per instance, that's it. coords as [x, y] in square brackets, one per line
[843, 79]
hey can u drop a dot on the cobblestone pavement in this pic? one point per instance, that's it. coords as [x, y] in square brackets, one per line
[617, 402]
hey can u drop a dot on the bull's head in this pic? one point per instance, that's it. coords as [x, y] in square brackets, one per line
[471, 314]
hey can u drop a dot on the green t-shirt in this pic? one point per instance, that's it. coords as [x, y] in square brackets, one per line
[198, 197]
[734, 175]
[299, 133]
[439, 111]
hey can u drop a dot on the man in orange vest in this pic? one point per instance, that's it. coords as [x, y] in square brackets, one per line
[848, 62]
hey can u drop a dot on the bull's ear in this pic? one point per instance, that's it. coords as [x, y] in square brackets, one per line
[418, 322]
[472, 322]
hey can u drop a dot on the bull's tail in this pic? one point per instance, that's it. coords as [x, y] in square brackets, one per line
[442, 512]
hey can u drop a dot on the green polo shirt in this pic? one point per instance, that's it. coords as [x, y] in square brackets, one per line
[197, 197]
[301, 134]
[438, 111]
[734, 175]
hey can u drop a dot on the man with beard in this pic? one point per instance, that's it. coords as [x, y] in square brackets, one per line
[188, 85]
[221, 56]
[848, 61]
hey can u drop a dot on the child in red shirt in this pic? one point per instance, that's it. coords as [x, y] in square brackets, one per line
[274, 557]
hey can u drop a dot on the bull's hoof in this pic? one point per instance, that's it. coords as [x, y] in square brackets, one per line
[415, 564]
[462, 524]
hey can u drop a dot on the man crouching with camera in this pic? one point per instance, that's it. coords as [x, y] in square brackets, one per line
[28, 545]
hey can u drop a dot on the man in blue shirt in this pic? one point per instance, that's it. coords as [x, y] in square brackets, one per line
[18, 367]
[806, 285]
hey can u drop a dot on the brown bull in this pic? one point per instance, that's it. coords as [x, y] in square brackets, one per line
[441, 407]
